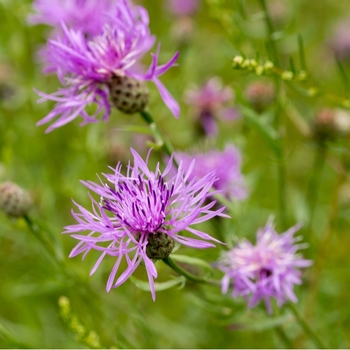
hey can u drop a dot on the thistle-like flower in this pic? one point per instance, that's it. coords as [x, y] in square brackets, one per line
[106, 66]
[182, 7]
[210, 101]
[86, 15]
[267, 270]
[141, 215]
[227, 165]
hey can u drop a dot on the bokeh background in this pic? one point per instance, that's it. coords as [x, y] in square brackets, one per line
[49, 166]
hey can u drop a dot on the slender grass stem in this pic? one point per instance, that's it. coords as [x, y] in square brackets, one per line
[284, 338]
[270, 30]
[314, 183]
[306, 328]
[188, 275]
[159, 137]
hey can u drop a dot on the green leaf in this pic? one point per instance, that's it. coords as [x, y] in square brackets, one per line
[255, 121]
[191, 260]
[265, 323]
[159, 286]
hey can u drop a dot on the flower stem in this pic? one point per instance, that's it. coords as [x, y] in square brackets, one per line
[159, 137]
[270, 30]
[283, 336]
[189, 276]
[308, 331]
[314, 184]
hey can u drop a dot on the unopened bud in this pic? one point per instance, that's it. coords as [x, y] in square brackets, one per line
[128, 94]
[159, 246]
[324, 126]
[260, 95]
[14, 201]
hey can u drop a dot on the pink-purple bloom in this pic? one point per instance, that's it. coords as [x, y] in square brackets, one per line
[86, 65]
[270, 269]
[226, 163]
[135, 208]
[182, 7]
[210, 103]
[86, 15]
[340, 41]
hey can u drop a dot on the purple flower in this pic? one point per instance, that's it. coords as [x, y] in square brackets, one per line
[267, 270]
[227, 165]
[182, 7]
[209, 102]
[87, 66]
[86, 15]
[340, 41]
[141, 215]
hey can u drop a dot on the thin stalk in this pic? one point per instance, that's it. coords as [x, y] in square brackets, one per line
[165, 143]
[188, 275]
[270, 30]
[306, 328]
[323, 247]
[283, 336]
[314, 184]
[282, 187]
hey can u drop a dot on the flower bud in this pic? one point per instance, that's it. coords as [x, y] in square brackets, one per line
[330, 124]
[159, 246]
[128, 94]
[14, 201]
[260, 95]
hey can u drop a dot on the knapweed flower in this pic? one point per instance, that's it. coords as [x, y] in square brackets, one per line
[209, 102]
[141, 215]
[106, 66]
[267, 270]
[182, 7]
[227, 165]
[340, 41]
[86, 15]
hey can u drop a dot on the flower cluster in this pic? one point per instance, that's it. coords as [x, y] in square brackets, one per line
[209, 102]
[86, 15]
[267, 270]
[141, 216]
[226, 164]
[94, 69]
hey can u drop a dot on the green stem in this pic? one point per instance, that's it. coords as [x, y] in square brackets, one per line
[314, 184]
[306, 328]
[283, 336]
[270, 29]
[35, 229]
[159, 137]
[282, 189]
[188, 275]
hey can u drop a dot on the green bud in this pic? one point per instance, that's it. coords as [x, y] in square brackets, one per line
[14, 201]
[159, 246]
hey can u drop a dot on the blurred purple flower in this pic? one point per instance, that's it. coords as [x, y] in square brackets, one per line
[137, 209]
[86, 15]
[182, 7]
[340, 41]
[85, 66]
[209, 102]
[227, 165]
[267, 270]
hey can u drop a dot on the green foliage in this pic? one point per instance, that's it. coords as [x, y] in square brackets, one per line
[289, 173]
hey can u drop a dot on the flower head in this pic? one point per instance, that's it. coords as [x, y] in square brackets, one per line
[340, 41]
[227, 165]
[267, 270]
[141, 215]
[91, 68]
[209, 102]
[86, 15]
[182, 7]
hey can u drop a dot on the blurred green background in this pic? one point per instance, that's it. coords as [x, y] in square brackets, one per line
[50, 166]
